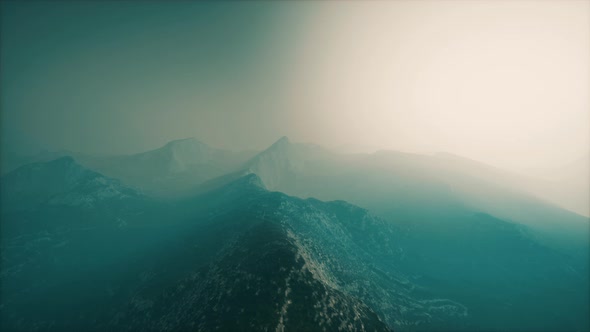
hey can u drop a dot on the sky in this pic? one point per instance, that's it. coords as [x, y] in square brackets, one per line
[503, 82]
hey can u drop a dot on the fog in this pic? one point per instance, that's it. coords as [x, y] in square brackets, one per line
[295, 165]
[503, 82]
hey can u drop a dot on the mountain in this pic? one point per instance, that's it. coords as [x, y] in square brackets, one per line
[282, 164]
[59, 181]
[11, 160]
[171, 170]
[394, 183]
[294, 238]
[237, 257]
[61, 194]
[467, 227]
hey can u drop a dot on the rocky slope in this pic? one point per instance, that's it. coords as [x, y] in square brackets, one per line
[239, 257]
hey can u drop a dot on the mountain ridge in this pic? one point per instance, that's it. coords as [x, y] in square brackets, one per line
[217, 250]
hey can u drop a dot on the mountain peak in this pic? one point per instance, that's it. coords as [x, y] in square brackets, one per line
[65, 168]
[61, 165]
[247, 181]
[253, 179]
[281, 142]
[179, 155]
[281, 146]
[61, 178]
[277, 163]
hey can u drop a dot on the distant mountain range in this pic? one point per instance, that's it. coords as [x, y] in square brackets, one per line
[295, 237]
[171, 170]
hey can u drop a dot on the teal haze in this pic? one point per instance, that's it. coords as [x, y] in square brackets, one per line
[294, 166]
[112, 77]
[500, 82]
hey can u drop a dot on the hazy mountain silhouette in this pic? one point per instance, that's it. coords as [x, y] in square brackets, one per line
[433, 243]
[173, 169]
